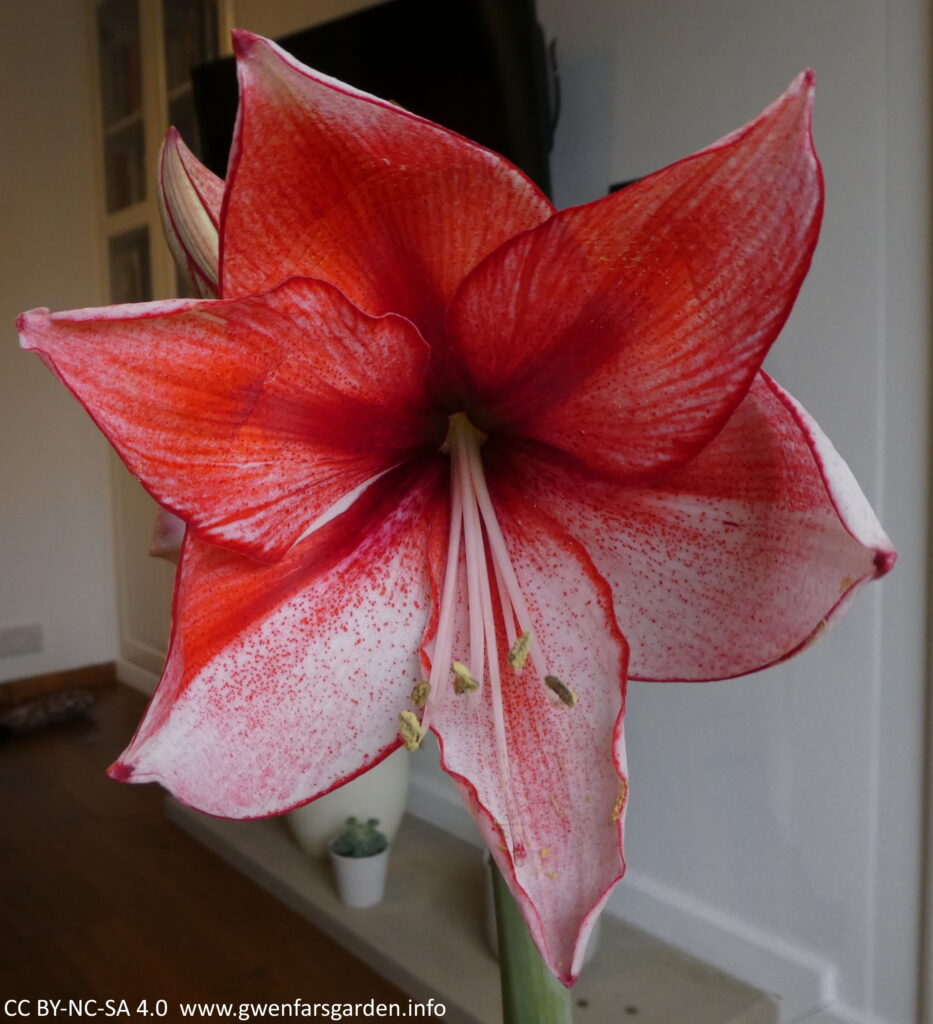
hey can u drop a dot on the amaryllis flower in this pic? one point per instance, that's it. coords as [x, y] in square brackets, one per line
[449, 459]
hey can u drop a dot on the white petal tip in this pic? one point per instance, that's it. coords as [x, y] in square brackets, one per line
[30, 320]
[243, 41]
[805, 80]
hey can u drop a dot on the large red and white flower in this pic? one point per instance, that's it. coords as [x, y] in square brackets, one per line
[451, 459]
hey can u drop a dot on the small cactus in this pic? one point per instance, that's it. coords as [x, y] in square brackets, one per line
[360, 839]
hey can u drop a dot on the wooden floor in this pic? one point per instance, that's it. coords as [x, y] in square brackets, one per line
[101, 897]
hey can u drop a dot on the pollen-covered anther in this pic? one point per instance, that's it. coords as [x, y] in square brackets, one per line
[410, 730]
[420, 693]
[563, 691]
[518, 652]
[463, 679]
[621, 799]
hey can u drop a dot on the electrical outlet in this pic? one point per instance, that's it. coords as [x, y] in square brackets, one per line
[16, 640]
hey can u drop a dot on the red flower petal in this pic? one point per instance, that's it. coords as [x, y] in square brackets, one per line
[735, 561]
[626, 331]
[566, 765]
[333, 183]
[286, 680]
[250, 418]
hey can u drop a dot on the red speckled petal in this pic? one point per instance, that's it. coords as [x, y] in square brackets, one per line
[190, 197]
[735, 561]
[566, 765]
[625, 332]
[333, 183]
[285, 680]
[249, 419]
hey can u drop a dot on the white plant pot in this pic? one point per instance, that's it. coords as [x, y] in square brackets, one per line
[361, 881]
[380, 793]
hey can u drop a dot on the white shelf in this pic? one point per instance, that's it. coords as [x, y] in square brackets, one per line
[427, 935]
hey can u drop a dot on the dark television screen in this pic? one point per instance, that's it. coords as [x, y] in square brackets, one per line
[476, 66]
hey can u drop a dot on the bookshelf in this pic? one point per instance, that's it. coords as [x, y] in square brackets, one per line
[143, 51]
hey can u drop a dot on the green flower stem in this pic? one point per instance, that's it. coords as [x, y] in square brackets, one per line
[530, 993]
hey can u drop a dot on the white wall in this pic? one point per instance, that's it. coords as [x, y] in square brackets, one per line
[791, 801]
[56, 563]
[774, 827]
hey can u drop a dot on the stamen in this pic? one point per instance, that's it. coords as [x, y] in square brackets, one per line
[518, 652]
[443, 640]
[466, 466]
[562, 690]
[620, 801]
[464, 439]
[420, 693]
[463, 679]
[508, 612]
[411, 730]
[485, 555]
[501, 558]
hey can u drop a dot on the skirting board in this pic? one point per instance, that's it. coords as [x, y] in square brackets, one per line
[801, 983]
[134, 675]
[13, 690]
[840, 1013]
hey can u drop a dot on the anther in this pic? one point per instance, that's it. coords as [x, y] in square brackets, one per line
[619, 806]
[420, 693]
[518, 652]
[410, 730]
[463, 679]
[562, 690]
